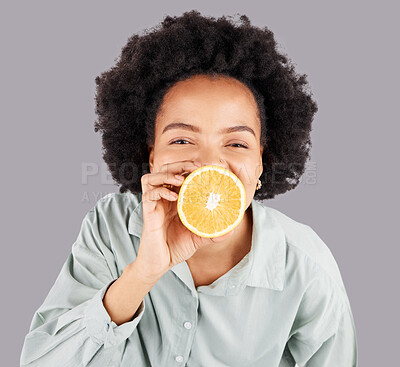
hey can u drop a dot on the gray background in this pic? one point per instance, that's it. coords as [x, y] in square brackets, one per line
[50, 56]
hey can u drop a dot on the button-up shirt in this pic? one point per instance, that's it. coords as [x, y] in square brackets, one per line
[283, 303]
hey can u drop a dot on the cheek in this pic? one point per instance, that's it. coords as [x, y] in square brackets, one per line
[165, 155]
[247, 171]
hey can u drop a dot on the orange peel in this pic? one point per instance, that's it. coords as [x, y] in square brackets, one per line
[211, 201]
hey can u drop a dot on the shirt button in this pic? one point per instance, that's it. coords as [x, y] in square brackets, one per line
[187, 325]
[233, 286]
[179, 358]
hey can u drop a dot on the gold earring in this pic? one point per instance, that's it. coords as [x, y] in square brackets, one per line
[258, 185]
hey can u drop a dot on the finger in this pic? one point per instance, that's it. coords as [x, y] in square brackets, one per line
[167, 175]
[180, 167]
[158, 193]
[150, 180]
[182, 172]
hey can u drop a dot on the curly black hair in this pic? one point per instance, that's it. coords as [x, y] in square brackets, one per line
[128, 95]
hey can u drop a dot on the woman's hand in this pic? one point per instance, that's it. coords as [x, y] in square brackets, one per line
[165, 241]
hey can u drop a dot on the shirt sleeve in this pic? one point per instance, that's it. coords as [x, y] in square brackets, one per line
[72, 327]
[323, 332]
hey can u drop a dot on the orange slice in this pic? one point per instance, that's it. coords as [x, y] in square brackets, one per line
[211, 201]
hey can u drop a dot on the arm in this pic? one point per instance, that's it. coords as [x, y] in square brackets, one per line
[72, 327]
[324, 333]
[124, 299]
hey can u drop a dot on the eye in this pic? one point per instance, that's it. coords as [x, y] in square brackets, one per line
[175, 141]
[183, 140]
[241, 145]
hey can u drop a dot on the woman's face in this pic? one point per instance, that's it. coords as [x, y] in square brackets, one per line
[207, 121]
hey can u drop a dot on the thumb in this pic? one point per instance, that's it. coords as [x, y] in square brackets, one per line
[222, 238]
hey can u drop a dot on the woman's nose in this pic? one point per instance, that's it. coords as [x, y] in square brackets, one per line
[221, 162]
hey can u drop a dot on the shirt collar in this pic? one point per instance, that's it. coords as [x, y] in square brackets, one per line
[263, 266]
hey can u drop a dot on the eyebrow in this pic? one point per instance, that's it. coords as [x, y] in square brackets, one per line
[230, 129]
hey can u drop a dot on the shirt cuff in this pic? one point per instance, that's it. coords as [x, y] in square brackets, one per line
[99, 325]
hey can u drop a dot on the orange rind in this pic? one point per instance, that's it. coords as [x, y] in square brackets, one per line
[211, 201]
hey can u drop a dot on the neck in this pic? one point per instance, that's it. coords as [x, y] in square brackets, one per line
[230, 249]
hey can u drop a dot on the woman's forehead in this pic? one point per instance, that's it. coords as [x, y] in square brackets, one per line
[202, 99]
[204, 84]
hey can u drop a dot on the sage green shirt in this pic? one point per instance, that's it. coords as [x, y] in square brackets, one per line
[283, 303]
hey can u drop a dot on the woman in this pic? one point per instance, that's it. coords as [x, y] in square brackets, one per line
[140, 289]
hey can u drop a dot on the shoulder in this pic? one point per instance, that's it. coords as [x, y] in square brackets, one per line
[117, 203]
[112, 212]
[306, 248]
[107, 221]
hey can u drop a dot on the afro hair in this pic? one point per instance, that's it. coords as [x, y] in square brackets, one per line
[129, 94]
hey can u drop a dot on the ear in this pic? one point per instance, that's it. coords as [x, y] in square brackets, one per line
[150, 149]
[261, 161]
